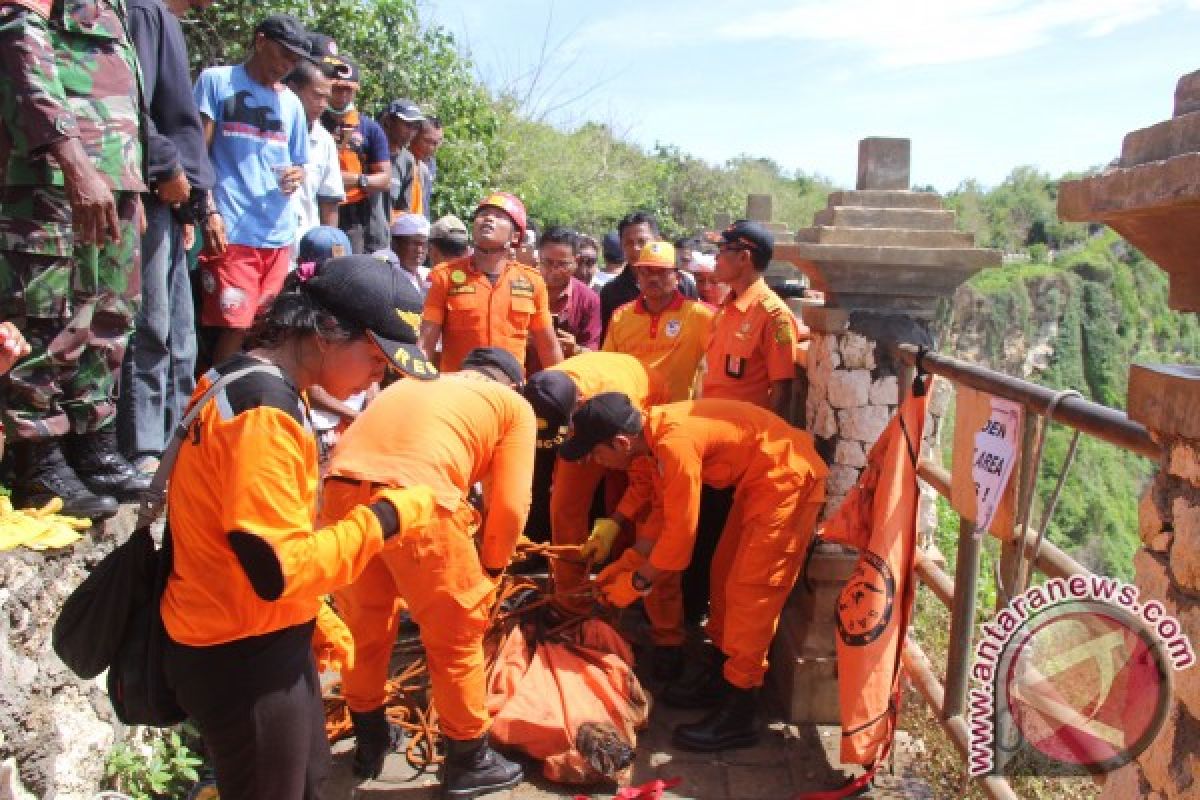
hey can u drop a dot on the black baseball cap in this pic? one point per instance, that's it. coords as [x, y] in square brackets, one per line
[288, 31]
[344, 68]
[404, 109]
[552, 394]
[597, 421]
[610, 245]
[753, 236]
[368, 291]
[497, 358]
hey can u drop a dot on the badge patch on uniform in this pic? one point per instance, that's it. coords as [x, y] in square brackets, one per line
[673, 328]
[461, 290]
[783, 332]
[744, 329]
[735, 367]
[458, 276]
[519, 287]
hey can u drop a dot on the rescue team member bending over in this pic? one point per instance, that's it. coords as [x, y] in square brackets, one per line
[488, 298]
[752, 355]
[459, 430]
[555, 394]
[249, 567]
[779, 486]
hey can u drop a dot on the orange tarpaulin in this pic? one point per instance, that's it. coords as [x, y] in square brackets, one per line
[573, 704]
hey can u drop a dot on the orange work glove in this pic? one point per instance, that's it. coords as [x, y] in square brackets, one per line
[629, 561]
[621, 592]
[333, 644]
[414, 506]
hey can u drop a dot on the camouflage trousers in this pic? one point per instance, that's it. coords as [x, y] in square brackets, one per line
[75, 305]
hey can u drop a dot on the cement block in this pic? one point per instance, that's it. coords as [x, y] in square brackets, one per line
[1166, 398]
[921, 219]
[758, 207]
[895, 237]
[1159, 142]
[883, 163]
[881, 198]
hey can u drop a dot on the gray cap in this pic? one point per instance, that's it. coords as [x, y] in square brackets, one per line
[448, 227]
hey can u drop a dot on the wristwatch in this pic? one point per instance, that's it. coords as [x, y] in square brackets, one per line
[642, 584]
[362, 180]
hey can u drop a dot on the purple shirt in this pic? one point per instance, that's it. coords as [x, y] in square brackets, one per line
[580, 317]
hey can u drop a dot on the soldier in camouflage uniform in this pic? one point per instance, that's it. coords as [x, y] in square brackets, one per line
[71, 161]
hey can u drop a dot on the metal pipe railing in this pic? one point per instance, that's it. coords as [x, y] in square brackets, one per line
[1094, 419]
[962, 619]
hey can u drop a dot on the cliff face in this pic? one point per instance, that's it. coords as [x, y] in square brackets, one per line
[1077, 324]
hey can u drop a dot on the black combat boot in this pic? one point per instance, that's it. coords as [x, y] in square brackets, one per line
[473, 768]
[101, 466]
[703, 688]
[42, 473]
[374, 738]
[728, 726]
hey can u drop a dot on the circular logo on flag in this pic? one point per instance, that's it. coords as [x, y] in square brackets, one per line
[458, 276]
[864, 606]
[673, 328]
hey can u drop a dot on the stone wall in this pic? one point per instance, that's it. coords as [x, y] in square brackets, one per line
[1168, 569]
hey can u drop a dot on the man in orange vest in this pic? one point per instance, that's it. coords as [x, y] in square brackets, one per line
[364, 158]
[555, 394]
[454, 432]
[663, 329]
[488, 298]
[779, 487]
[752, 354]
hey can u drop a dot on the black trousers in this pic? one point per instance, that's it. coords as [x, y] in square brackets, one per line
[714, 510]
[257, 703]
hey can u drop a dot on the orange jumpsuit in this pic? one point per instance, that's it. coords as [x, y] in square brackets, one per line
[779, 486]
[575, 482]
[753, 343]
[671, 342]
[475, 313]
[447, 434]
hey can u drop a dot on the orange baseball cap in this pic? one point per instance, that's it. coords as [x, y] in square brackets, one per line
[658, 255]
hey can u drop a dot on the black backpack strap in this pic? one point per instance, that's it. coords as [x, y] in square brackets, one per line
[151, 504]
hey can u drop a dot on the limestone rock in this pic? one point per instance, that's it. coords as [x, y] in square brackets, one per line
[850, 454]
[885, 391]
[1185, 552]
[858, 352]
[1151, 575]
[863, 424]
[848, 388]
[943, 393]
[825, 424]
[1150, 521]
[841, 479]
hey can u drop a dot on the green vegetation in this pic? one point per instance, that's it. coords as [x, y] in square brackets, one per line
[160, 767]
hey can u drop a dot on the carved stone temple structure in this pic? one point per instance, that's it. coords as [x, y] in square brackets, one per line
[884, 256]
[1152, 198]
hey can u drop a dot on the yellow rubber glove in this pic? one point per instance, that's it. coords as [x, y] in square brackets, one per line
[621, 592]
[414, 506]
[332, 642]
[629, 561]
[599, 544]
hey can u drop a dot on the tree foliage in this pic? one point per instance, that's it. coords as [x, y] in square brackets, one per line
[1019, 213]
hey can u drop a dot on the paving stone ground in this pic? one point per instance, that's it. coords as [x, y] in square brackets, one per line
[788, 760]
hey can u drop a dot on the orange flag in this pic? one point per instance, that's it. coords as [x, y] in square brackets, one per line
[879, 519]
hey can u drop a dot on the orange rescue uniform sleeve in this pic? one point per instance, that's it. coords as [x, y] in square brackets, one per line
[640, 492]
[435, 301]
[509, 488]
[778, 342]
[269, 519]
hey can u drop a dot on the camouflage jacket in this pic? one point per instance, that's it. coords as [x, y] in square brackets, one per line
[68, 68]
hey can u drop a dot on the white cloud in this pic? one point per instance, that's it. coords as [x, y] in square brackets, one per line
[888, 32]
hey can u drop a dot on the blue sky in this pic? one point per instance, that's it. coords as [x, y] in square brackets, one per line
[980, 86]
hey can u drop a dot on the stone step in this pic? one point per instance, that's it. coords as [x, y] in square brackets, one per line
[921, 219]
[1159, 142]
[844, 256]
[898, 237]
[885, 198]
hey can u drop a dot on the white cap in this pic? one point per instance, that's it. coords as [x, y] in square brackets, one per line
[702, 262]
[410, 224]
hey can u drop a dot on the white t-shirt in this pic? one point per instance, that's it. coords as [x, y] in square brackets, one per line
[322, 181]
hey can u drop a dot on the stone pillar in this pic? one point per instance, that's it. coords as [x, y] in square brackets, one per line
[1166, 400]
[758, 207]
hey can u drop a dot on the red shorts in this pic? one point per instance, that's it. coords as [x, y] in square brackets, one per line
[240, 283]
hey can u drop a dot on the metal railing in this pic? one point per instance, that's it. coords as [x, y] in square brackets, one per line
[959, 594]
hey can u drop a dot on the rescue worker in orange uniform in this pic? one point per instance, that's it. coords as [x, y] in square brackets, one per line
[663, 329]
[250, 568]
[488, 298]
[752, 353]
[555, 394]
[449, 434]
[779, 487]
